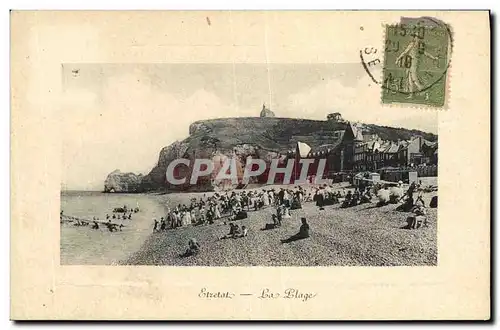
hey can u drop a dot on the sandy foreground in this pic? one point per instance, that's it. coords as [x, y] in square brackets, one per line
[364, 235]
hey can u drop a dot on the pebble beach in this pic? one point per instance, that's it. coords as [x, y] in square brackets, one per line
[363, 235]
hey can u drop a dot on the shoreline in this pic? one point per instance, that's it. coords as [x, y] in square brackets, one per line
[383, 224]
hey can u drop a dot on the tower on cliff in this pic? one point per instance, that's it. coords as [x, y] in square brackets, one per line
[265, 112]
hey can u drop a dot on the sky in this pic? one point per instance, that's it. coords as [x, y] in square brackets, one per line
[119, 116]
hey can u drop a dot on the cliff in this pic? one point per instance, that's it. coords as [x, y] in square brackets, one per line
[265, 138]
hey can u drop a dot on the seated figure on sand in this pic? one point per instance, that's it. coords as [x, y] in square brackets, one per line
[240, 215]
[383, 197]
[347, 200]
[303, 232]
[193, 248]
[434, 202]
[418, 220]
[419, 201]
[244, 231]
[407, 205]
[234, 231]
[366, 197]
[395, 195]
[272, 225]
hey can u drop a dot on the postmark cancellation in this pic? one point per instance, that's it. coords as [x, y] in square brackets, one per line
[413, 69]
[416, 61]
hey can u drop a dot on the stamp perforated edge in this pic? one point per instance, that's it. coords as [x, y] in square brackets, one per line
[447, 85]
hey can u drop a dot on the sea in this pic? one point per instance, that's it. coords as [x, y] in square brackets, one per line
[82, 245]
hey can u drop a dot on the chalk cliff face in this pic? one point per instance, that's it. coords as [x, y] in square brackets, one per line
[119, 182]
[265, 138]
[239, 138]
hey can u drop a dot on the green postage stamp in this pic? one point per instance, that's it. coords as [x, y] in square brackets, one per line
[416, 60]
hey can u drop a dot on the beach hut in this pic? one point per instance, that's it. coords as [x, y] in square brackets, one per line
[374, 177]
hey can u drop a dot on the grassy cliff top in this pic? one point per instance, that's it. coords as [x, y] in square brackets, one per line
[282, 133]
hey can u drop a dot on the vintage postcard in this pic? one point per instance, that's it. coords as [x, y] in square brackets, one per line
[262, 165]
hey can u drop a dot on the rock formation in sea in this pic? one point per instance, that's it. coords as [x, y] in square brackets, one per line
[119, 182]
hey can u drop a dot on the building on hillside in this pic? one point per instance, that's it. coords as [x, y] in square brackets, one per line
[351, 150]
[429, 152]
[370, 137]
[361, 151]
[387, 156]
[339, 154]
[338, 135]
[411, 154]
[352, 137]
[376, 153]
[336, 117]
[366, 154]
[265, 112]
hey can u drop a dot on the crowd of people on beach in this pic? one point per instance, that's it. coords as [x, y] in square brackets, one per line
[233, 204]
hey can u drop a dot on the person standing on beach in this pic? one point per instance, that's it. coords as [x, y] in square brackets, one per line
[217, 212]
[155, 225]
[265, 198]
[203, 213]
[279, 214]
[281, 196]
